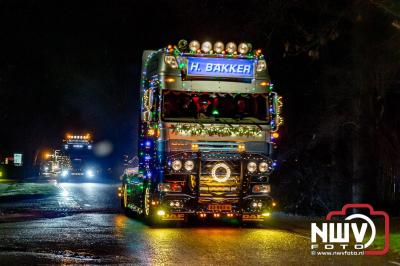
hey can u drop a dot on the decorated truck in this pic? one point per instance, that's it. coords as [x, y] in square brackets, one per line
[82, 164]
[208, 127]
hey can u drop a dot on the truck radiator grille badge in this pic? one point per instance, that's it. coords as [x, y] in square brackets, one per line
[221, 172]
[219, 179]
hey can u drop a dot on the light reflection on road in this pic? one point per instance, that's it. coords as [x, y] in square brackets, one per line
[87, 227]
[221, 246]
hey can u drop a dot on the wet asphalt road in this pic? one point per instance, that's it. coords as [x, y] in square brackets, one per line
[83, 225]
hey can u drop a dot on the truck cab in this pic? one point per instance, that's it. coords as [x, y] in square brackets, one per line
[209, 119]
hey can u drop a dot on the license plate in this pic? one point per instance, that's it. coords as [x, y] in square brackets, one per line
[219, 207]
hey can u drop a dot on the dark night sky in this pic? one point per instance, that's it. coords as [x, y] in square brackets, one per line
[74, 66]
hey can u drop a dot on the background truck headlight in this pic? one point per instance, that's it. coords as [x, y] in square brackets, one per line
[189, 165]
[64, 173]
[90, 173]
[177, 165]
[251, 167]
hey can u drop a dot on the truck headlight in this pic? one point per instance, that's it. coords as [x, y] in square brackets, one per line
[263, 167]
[171, 61]
[251, 167]
[177, 165]
[261, 65]
[189, 165]
[194, 46]
[261, 189]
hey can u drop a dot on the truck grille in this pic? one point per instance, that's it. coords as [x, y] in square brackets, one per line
[219, 180]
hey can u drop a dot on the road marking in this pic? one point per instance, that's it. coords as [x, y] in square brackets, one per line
[66, 200]
[394, 262]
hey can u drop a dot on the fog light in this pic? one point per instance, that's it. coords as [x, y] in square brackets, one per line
[216, 215]
[160, 212]
[261, 189]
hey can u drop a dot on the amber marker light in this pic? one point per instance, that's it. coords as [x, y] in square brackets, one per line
[275, 135]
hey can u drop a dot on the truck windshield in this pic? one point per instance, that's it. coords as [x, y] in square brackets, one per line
[242, 108]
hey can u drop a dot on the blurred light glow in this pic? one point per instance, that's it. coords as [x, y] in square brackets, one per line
[103, 148]
[90, 173]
